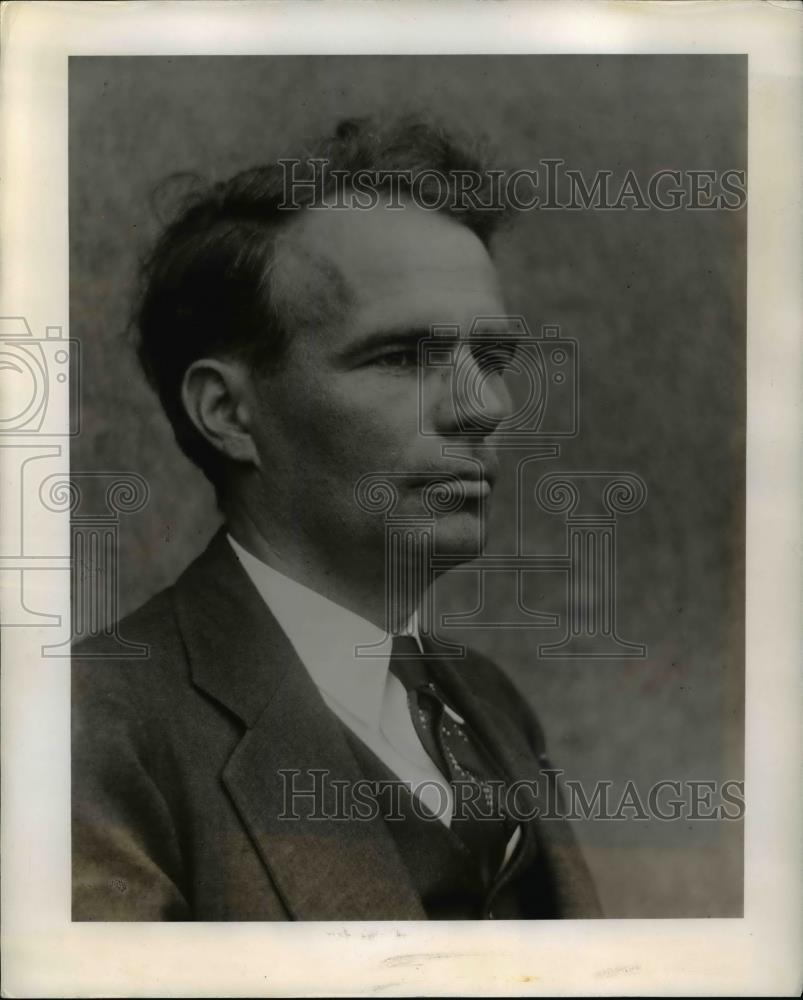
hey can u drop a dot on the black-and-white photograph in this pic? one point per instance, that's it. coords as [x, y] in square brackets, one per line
[409, 495]
[400, 481]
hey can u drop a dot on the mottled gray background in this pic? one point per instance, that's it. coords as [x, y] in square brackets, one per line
[656, 301]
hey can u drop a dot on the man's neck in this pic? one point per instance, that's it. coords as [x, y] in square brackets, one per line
[358, 585]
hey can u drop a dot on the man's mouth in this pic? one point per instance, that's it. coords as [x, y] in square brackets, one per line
[471, 484]
[472, 488]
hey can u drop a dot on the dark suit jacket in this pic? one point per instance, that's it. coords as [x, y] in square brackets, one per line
[176, 761]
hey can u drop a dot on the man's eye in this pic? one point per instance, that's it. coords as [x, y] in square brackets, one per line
[402, 358]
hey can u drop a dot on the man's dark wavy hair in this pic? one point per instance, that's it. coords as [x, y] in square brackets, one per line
[206, 288]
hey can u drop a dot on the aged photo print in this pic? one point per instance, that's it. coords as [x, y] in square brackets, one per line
[454, 381]
[400, 422]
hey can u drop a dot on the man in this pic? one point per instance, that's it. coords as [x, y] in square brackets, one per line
[281, 332]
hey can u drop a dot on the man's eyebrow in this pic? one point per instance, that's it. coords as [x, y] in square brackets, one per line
[410, 333]
[406, 333]
[493, 327]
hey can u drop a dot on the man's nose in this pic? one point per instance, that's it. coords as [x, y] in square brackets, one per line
[480, 396]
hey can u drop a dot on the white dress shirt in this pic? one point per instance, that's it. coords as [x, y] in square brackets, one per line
[360, 690]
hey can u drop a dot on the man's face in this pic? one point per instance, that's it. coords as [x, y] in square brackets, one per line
[345, 402]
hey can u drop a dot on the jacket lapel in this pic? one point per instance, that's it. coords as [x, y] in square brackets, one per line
[552, 838]
[323, 867]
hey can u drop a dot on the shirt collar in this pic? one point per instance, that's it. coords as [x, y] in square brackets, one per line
[326, 636]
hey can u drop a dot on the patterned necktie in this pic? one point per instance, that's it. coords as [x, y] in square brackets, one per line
[459, 756]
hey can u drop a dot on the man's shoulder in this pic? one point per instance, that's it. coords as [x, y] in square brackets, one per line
[150, 634]
[141, 656]
[152, 625]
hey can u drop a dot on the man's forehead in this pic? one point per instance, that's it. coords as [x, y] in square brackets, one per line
[382, 254]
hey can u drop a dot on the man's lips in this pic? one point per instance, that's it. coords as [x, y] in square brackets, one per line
[470, 483]
[473, 488]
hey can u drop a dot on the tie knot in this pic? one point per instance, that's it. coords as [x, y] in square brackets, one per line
[407, 662]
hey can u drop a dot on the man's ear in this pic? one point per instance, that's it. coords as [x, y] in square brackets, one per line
[215, 397]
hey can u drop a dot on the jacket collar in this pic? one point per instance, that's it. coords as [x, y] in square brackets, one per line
[237, 652]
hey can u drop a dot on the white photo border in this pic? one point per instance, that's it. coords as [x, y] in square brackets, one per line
[44, 953]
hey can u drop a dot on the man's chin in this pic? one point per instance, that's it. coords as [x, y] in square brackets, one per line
[460, 535]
